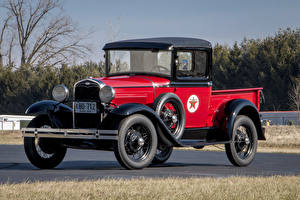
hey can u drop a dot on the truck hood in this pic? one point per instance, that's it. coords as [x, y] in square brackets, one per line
[133, 81]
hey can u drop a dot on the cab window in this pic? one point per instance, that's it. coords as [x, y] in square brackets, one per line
[191, 64]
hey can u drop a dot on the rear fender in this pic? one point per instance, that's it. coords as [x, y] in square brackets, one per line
[114, 118]
[59, 114]
[243, 107]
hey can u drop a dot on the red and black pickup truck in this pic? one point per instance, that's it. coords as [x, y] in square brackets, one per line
[156, 94]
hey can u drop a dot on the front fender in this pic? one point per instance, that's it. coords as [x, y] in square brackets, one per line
[59, 114]
[243, 107]
[115, 117]
[43, 107]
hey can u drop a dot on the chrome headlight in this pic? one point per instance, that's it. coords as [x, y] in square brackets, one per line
[60, 93]
[107, 94]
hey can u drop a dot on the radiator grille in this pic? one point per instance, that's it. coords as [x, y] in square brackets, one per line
[87, 90]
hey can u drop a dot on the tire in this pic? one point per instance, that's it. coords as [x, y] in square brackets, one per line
[137, 142]
[242, 149]
[162, 154]
[167, 106]
[44, 153]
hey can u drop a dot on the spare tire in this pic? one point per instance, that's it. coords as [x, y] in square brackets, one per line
[170, 109]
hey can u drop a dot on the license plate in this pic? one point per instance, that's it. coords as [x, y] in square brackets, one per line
[85, 107]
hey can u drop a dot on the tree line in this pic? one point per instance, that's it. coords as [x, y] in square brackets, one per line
[272, 63]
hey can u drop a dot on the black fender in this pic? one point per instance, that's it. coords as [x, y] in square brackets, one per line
[243, 107]
[114, 118]
[59, 114]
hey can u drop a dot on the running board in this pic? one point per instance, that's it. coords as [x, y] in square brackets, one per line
[198, 143]
[89, 134]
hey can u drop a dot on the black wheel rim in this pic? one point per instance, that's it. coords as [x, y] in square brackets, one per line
[138, 142]
[169, 113]
[243, 142]
[162, 151]
[38, 148]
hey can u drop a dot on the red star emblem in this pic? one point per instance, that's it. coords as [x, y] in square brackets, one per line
[193, 103]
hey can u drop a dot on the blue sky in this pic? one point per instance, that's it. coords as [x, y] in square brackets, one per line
[217, 21]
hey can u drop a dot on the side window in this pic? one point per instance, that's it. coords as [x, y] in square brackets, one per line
[191, 64]
[200, 63]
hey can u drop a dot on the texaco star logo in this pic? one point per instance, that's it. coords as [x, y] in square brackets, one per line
[192, 103]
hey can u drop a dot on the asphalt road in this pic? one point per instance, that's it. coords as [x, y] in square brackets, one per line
[86, 164]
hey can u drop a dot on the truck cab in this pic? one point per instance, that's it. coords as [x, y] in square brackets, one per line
[156, 94]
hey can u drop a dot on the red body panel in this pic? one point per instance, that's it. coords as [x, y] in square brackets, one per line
[202, 112]
[220, 98]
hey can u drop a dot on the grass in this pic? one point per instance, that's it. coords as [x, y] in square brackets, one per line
[280, 139]
[11, 137]
[250, 188]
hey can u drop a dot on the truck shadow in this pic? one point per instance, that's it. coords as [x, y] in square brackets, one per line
[103, 165]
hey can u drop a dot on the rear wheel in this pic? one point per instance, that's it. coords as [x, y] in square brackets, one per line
[137, 142]
[44, 153]
[163, 153]
[242, 149]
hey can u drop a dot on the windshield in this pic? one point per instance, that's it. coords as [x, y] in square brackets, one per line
[139, 61]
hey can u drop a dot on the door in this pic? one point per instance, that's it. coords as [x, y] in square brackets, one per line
[193, 86]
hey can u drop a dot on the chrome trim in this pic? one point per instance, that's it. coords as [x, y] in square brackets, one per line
[153, 85]
[100, 83]
[67, 93]
[89, 134]
[134, 87]
[73, 114]
[191, 84]
[112, 91]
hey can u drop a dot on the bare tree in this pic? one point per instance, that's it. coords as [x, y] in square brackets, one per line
[3, 30]
[294, 96]
[44, 35]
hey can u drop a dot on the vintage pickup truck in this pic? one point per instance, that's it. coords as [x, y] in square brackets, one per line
[156, 94]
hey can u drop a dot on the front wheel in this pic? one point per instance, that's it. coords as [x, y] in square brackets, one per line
[44, 153]
[137, 142]
[242, 149]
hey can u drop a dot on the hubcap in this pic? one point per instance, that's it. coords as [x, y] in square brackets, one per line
[170, 117]
[243, 142]
[137, 142]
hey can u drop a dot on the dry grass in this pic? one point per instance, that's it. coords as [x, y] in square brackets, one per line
[280, 139]
[250, 188]
[11, 137]
[282, 136]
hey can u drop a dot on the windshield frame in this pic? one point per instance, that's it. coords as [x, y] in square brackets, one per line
[107, 61]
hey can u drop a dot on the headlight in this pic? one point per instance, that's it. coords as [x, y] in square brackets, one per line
[60, 93]
[107, 94]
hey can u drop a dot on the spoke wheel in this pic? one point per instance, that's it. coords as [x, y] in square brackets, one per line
[171, 111]
[163, 153]
[242, 149]
[169, 115]
[243, 142]
[137, 142]
[44, 153]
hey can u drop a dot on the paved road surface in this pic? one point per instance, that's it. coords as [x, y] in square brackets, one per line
[86, 164]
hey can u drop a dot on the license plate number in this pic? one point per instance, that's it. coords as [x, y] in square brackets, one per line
[85, 107]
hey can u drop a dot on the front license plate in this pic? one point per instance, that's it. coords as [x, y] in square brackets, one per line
[85, 107]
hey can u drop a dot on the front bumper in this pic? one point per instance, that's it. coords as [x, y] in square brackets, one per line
[89, 134]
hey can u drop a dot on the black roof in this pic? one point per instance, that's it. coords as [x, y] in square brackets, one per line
[163, 43]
